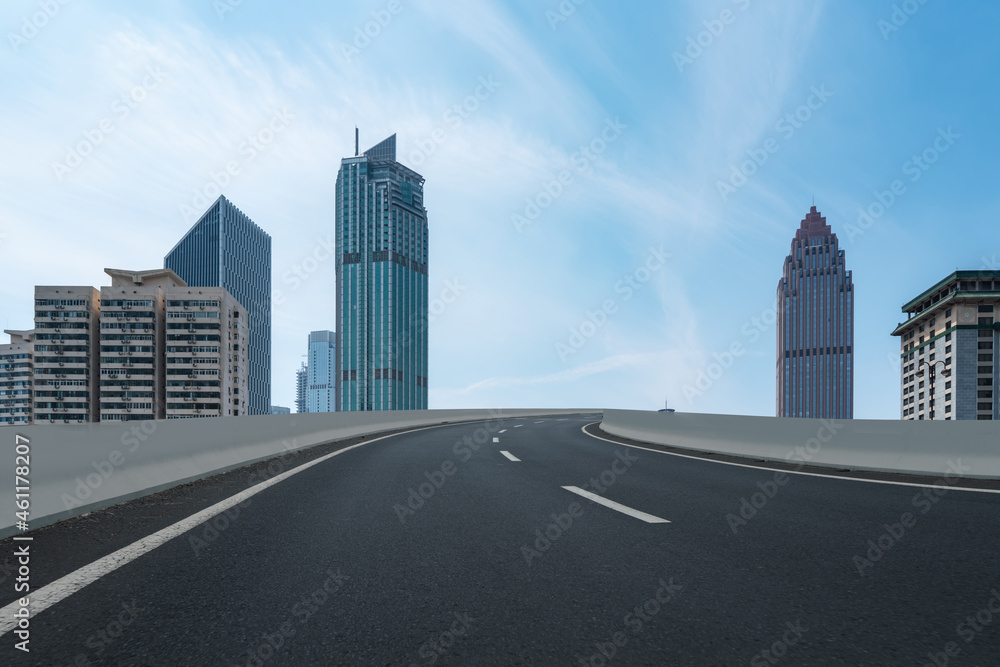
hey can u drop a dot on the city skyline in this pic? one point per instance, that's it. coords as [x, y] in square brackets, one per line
[708, 166]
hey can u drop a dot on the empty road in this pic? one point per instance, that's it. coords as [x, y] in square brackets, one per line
[521, 541]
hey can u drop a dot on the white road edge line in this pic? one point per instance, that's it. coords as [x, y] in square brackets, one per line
[601, 500]
[509, 455]
[790, 472]
[62, 588]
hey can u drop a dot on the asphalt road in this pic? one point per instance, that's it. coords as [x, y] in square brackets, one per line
[435, 547]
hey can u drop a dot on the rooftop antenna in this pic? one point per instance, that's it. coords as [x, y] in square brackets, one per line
[355, 141]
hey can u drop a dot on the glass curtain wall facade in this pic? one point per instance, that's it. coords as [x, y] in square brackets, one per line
[381, 273]
[321, 389]
[226, 249]
[815, 351]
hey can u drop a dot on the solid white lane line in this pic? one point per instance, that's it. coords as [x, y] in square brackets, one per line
[601, 500]
[504, 431]
[510, 456]
[61, 588]
[518, 425]
[792, 472]
[496, 439]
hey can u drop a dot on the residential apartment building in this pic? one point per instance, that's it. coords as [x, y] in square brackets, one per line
[207, 354]
[16, 377]
[67, 355]
[381, 283]
[132, 344]
[815, 326]
[948, 362]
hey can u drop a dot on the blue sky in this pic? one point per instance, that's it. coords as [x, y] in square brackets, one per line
[668, 98]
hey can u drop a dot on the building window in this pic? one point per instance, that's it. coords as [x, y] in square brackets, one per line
[947, 408]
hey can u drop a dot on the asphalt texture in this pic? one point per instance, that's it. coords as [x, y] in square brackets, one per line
[431, 547]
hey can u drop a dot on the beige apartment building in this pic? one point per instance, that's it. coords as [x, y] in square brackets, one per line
[66, 356]
[16, 377]
[206, 353]
[132, 337]
[146, 347]
[949, 367]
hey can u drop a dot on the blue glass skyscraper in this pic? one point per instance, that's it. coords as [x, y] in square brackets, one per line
[381, 272]
[226, 249]
[320, 387]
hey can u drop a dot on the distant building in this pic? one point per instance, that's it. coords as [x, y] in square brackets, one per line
[67, 354]
[948, 362]
[320, 385]
[278, 410]
[381, 283]
[16, 377]
[226, 249]
[815, 351]
[301, 384]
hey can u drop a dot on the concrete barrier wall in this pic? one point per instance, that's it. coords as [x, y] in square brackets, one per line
[79, 468]
[919, 447]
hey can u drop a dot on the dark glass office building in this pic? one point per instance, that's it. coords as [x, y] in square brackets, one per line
[381, 272]
[226, 249]
[815, 364]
